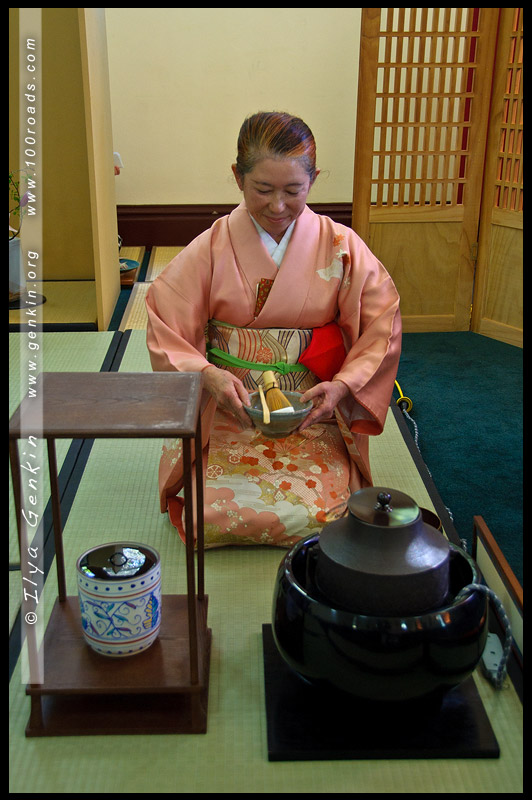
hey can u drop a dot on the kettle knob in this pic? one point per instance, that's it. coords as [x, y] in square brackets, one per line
[383, 501]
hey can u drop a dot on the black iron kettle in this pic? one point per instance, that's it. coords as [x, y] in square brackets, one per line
[382, 559]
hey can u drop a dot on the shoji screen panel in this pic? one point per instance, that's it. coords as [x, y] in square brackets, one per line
[498, 300]
[425, 78]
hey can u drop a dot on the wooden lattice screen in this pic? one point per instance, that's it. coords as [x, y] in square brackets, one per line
[509, 179]
[425, 85]
[425, 79]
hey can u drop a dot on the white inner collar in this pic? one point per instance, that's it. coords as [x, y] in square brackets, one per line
[275, 250]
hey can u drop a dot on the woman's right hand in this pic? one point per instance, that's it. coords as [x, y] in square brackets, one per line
[228, 392]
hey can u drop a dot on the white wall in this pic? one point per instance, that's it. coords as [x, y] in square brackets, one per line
[183, 80]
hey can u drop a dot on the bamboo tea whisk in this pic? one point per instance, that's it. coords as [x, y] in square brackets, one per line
[274, 397]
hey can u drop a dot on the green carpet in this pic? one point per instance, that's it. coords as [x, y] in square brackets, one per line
[467, 394]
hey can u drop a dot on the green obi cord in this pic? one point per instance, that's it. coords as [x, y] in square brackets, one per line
[248, 352]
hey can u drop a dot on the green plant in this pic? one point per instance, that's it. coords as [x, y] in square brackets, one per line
[16, 198]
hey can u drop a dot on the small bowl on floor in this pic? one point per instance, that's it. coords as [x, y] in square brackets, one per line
[283, 422]
[128, 263]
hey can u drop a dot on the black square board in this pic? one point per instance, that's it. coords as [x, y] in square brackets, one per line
[309, 724]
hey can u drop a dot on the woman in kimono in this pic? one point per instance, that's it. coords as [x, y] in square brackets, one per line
[266, 287]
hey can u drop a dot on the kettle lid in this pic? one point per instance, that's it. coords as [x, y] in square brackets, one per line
[382, 558]
[387, 508]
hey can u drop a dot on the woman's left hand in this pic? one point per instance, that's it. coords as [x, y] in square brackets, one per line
[325, 397]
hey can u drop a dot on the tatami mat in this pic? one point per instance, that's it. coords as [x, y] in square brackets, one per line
[136, 357]
[135, 315]
[82, 351]
[160, 257]
[118, 499]
[68, 303]
[135, 252]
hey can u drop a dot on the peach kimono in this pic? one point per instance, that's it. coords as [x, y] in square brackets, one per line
[274, 491]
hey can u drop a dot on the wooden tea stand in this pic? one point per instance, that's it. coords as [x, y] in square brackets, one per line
[165, 688]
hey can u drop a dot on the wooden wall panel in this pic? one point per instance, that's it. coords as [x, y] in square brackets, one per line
[498, 299]
[423, 261]
[502, 308]
[103, 223]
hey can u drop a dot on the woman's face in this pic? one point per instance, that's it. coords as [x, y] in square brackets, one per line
[275, 192]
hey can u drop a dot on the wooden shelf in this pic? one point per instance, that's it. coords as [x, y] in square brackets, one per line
[151, 692]
[165, 688]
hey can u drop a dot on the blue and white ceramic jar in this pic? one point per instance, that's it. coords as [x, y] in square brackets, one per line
[119, 588]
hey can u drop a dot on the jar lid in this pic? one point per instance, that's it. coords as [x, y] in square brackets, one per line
[377, 505]
[117, 560]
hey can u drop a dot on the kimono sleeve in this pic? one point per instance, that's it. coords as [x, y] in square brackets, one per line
[371, 322]
[177, 305]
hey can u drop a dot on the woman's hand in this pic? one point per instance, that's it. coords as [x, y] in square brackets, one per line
[325, 397]
[228, 392]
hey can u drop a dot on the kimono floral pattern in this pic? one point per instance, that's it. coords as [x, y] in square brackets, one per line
[271, 491]
[340, 260]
